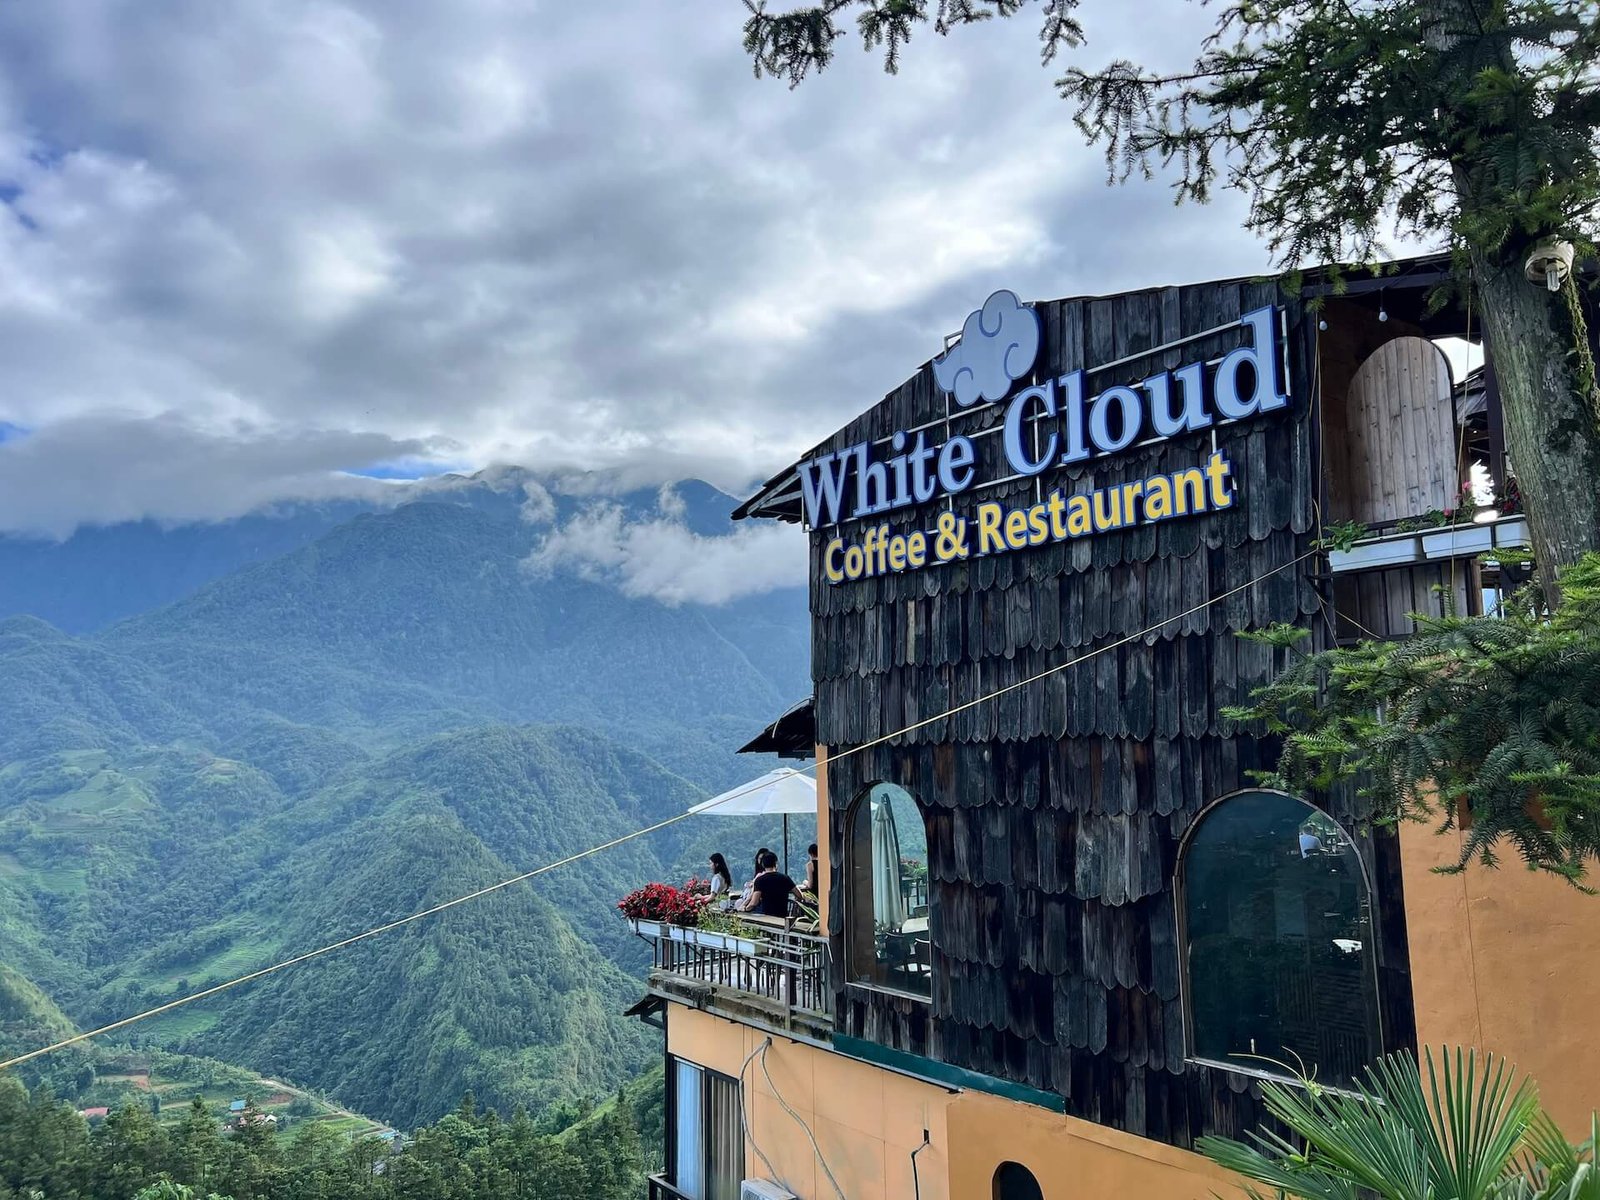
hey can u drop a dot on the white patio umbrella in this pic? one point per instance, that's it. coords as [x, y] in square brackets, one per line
[888, 903]
[783, 791]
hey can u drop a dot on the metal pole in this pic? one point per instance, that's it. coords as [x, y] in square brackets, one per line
[786, 844]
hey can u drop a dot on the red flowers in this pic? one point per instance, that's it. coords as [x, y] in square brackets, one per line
[663, 902]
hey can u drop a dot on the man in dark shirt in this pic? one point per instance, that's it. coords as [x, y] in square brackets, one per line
[770, 890]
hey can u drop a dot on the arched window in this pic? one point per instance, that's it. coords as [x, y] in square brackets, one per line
[886, 904]
[1013, 1181]
[1277, 940]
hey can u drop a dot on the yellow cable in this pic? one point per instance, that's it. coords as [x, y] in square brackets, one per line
[627, 837]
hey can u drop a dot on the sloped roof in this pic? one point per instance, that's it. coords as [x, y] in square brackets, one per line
[792, 735]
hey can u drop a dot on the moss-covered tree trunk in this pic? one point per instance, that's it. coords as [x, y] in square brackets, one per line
[1552, 435]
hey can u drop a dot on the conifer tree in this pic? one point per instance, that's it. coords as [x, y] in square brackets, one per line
[1471, 123]
[1491, 723]
[197, 1149]
[130, 1153]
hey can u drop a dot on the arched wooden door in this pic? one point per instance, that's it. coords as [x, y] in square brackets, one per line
[1391, 449]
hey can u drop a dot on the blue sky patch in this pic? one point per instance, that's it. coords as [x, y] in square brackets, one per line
[407, 469]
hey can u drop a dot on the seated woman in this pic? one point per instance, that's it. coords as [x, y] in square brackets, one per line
[721, 879]
[742, 902]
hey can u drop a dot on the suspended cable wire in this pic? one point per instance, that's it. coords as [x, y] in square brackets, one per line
[637, 833]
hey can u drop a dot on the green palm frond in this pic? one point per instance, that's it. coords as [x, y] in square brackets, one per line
[1456, 1128]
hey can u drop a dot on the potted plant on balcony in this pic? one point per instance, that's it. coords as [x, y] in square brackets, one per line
[725, 931]
[1456, 533]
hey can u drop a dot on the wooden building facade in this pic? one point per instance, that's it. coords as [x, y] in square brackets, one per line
[1055, 812]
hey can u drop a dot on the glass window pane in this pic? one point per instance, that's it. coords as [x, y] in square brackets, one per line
[688, 1136]
[1279, 950]
[888, 897]
[725, 1138]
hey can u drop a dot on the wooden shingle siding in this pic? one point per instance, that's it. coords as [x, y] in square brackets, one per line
[1055, 812]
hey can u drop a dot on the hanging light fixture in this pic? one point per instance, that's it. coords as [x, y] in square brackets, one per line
[1550, 263]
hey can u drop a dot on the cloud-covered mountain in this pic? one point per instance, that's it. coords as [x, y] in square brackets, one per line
[674, 544]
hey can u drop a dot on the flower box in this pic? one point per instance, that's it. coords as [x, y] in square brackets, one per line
[731, 943]
[1395, 550]
[1458, 541]
[1512, 533]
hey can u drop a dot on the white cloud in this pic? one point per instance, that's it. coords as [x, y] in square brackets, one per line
[661, 559]
[538, 505]
[120, 468]
[671, 504]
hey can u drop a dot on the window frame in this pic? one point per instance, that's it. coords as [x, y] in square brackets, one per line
[1181, 914]
[848, 899]
[707, 1074]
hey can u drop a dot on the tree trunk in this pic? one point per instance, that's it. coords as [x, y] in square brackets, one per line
[1552, 436]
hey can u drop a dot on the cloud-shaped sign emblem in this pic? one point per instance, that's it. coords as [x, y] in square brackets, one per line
[998, 345]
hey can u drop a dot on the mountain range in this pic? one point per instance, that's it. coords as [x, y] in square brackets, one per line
[345, 718]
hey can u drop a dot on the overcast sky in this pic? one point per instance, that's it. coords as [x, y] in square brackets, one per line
[246, 248]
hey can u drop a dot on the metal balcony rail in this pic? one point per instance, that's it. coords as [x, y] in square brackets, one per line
[764, 960]
[661, 1189]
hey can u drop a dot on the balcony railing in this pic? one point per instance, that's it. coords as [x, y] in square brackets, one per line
[764, 970]
[661, 1189]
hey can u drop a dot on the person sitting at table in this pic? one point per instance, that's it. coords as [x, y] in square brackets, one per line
[770, 889]
[721, 879]
[742, 904]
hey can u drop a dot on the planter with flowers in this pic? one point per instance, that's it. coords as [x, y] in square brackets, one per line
[661, 910]
[686, 914]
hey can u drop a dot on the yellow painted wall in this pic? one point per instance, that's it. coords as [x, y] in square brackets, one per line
[867, 1121]
[1072, 1159]
[1507, 961]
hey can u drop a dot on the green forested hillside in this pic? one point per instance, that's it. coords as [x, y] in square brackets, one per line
[49, 1152]
[393, 715]
[194, 867]
[427, 616]
[30, 1019]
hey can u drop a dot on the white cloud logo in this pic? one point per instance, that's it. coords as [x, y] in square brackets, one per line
[998, 345]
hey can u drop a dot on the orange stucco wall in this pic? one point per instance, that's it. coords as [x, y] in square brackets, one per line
[1508, 961]
[867, 1122]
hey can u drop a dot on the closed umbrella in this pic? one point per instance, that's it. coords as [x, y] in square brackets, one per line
[779, 792]
[888, 902]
